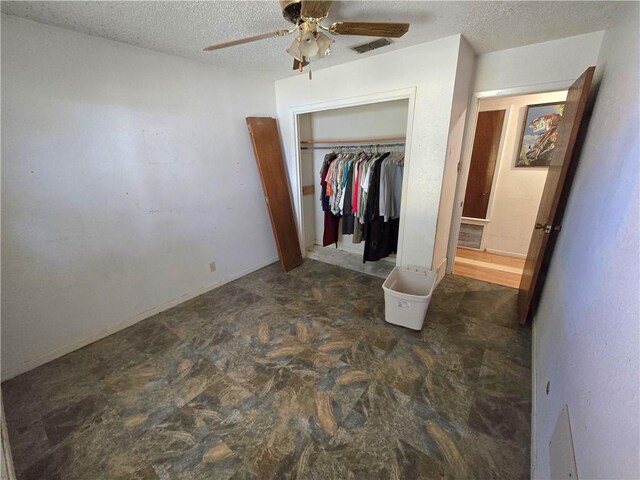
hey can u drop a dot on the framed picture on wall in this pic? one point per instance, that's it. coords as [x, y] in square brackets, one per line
[539, 134]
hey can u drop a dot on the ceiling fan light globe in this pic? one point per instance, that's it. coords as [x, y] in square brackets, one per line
[308, 45]
[324, 44]
[294, 50]
[324, 47]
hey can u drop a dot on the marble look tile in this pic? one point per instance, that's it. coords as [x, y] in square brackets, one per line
[363, 356]
[282, 376]
[313, 365]
[151, 337]
[493, 458]
[56, 465]
[504, 417]
[502, 376]
[412, 463]
[498, 305]
[73, 418]
[472, 332]
[227, 299]
[29, 444]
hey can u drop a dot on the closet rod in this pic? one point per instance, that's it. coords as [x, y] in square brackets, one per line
[360, 145]
[378, 140]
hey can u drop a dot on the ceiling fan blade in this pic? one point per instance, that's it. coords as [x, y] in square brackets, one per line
[254, 38]
[370, 29]
[317, 9]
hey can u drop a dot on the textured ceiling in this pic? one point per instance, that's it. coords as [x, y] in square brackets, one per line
[184, 28]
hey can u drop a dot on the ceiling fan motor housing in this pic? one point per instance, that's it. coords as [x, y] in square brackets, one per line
[291, 10]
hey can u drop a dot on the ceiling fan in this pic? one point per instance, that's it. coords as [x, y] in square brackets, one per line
[311, 43]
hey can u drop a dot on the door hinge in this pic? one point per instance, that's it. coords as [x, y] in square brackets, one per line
[548, 228]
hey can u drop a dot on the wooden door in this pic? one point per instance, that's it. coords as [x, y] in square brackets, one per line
[554, 196]
[268, 153]
[483, 163]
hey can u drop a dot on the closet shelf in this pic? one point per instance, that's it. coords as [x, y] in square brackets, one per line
[367, 141]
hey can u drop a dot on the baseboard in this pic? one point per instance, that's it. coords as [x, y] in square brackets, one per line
[441, 270]
[506, 254]
[95, 336]
[7, 471]
[534, 383]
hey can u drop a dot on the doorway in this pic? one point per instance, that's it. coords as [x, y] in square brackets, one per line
[502, 193]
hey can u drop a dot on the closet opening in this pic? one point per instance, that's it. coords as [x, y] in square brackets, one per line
[352, 171]
[512, 145]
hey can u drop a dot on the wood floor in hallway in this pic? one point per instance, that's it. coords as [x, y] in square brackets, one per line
[488, 267]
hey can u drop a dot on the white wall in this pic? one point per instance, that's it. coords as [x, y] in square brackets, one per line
[586, 331]
[516, 193]
[459, 108]
[537, 64]
[430, 69]
[384, 119]
[375, 120]
[538, 68]
[124, 173]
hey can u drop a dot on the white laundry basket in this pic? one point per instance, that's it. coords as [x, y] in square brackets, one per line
[406, 296]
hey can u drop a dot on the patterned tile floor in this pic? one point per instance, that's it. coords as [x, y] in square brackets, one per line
[287, 376]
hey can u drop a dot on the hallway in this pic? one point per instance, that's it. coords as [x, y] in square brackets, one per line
[488, 267]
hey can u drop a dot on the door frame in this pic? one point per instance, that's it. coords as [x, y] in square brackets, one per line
[385, 96]
[467, 147]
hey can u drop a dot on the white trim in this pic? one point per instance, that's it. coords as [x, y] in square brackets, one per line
[534, 390]
[7, 471]
[462, 247]
[475, 221]
[467, 147]
[440, 272]
[95, 336]
[506, 254]
[386, 96]
[463, 173]
[496, 171]
[526, 90]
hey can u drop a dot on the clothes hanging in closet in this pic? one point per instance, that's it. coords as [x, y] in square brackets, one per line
[330, 234]
[363, 192]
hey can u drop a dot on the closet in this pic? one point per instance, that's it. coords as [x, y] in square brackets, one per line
[349, 143]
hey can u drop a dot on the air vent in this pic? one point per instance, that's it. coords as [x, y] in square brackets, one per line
[367, 47]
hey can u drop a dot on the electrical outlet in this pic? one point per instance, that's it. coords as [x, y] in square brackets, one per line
[212, 266]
